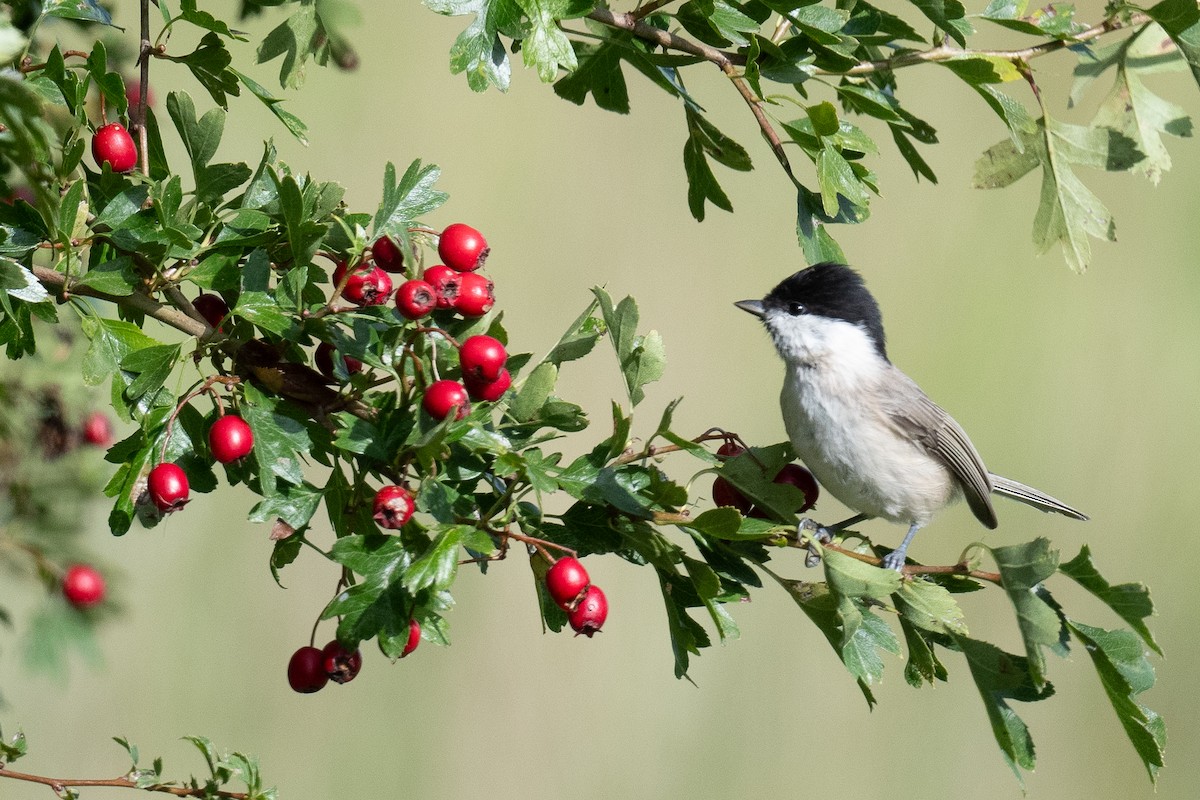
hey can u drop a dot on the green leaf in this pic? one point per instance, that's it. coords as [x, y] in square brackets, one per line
[597, 72]
[579, 339]
[534, 392]
[111, 341]
[1130, 601]
[1181, 20]
[1002, 676]
[85, 10]
[209, 63]
[295, 505]
[18, 282]
[949, 15]
[413, 197]
[815, 241]
[930, 607]
[152, 365]
[116, 277]
[923, 665]
[438, 565]
[478, 51]
[279, 438]
[1068, 212]
[1056, 20]
[642, 357]
[837, 179]
[293, 40]
[274, 104]
[1023, 567]
[1125, 673]
[706, 141]
[545, 46]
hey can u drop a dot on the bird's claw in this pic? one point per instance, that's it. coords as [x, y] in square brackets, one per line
[816, 534]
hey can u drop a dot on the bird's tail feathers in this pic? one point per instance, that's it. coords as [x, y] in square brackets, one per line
[1032, 497]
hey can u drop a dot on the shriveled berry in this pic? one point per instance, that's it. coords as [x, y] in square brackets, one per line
[306, 670]
[230, 438]
[445, 396]
[462, 247]
[588, 617]
[394, 506]
[415, 299]
[167, 485]
[446, 284]
[566, 581]
[491, 391]
[482, 358]
[340, 664]
[113, 145]
[414, 637]
[83, 586]
[323, 361]
[387, 254]
[476, 295]
[98, 429]
[212, 307]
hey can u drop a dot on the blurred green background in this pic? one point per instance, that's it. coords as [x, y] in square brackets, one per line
[1085, 386]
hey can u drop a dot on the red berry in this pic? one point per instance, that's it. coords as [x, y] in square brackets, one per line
[462, 247]
[114, 145]
[230, 438]
[212, 307]
[446, 284]
[306, 670]
[387, 254]
[724, 494]
[566, 581]
[482, 358]
[323, 360]
[475, 295]
[802, 479]
[393, 507]
[133, 95]
[588, 617]
[491, 391]
[168, 487]
[443, 397]
[97, 429]
[415, 299]
[730, 448]
[368, 287]
[83, 586]
[340, 664]
[414, 637]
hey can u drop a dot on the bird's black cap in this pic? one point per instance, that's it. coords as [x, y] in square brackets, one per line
[831, 290]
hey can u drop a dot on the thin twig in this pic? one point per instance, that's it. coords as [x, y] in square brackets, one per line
[59, 784]
[144, 91]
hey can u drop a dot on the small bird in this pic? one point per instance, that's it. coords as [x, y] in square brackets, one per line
[869, 434]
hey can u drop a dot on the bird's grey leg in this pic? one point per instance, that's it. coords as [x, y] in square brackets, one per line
[824, 534]
[895, 559]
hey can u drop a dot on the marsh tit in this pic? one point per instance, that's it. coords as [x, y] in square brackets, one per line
[869, 434]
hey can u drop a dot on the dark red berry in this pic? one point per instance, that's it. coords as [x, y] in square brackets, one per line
[230, 438]
[168, 487]
[323, 361]
[415, 299]
[462, 247]
[97, 429]
[799, 477]
[446, 284]
[730, 448]
[566, 581]
[114, 145]
[306, 670]
[724, 494]
[340, 664]
[444, 396]
[475, 296]
[414, 637]
[83, 586]
[491, 391]
[482, 358]
[368, 287]
[133, 95]
[387, 254]
[588, 617]
[212, 307]
[393, 507]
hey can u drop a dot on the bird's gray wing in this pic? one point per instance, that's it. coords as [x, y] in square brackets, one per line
[927, 423]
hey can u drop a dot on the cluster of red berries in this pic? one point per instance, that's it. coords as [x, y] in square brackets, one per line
[571, 588]
[310, 668]
[229, 439]
[481, 360]
[83, 586]
[725, 494]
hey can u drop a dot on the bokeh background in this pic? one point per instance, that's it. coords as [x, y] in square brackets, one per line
[1084, 385]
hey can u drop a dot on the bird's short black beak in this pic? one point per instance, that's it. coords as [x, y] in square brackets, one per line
[754, 307]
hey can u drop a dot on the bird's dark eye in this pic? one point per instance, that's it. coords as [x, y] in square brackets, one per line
[795, 309]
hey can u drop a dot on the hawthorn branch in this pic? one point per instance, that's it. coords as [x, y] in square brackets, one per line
[144, 90]
[58, 785]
